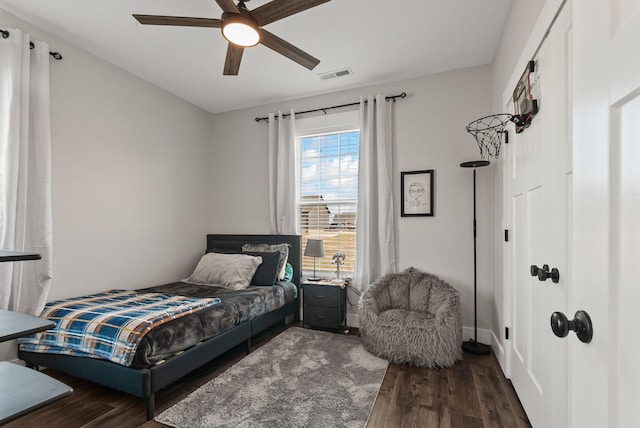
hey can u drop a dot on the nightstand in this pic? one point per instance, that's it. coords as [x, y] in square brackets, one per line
[324, 304]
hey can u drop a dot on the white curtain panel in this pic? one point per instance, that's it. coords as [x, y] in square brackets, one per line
[25, 171]
[375, 242]
[282, 174]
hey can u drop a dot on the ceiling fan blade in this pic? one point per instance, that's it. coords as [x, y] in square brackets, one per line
[228, 6]
[287, 49]
[232, 63]
[178, 20]
[278, 9]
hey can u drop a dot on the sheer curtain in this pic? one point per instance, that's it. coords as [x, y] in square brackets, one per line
[282, 174]
[25, 171]
[375, 241]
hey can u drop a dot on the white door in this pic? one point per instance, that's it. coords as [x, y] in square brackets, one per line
[540, 194]
[605, 375]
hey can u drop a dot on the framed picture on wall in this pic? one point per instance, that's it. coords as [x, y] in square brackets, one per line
[417, 193]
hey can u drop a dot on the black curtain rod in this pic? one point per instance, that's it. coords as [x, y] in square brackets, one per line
[55, 55]
[324, 109]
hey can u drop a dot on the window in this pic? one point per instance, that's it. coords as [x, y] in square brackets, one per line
[328, 196]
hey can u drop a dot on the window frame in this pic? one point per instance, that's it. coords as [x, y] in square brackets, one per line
[328, 124]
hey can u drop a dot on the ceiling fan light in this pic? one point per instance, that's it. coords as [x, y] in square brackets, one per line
[240, 30]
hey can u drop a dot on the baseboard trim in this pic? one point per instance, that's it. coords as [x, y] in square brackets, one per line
[498, 349]
[353, 320]
[484, 336]
[495, 342]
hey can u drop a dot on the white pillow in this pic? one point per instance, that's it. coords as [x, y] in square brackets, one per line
[233, 271]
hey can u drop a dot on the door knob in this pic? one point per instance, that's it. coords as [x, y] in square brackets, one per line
[581, 324]
[534, 270]
[544, 274]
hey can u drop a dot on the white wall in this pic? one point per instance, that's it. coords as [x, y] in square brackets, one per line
[429, 134]
[131, 175]
[522, 17]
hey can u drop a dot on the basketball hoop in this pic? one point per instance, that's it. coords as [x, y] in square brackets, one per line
[488, 132]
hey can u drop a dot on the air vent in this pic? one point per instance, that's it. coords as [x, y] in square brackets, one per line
[337, 73]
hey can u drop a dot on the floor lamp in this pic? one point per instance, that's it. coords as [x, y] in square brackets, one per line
[473, 346]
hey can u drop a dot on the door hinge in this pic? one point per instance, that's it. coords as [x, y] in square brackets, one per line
[506, 333]
[506, 235]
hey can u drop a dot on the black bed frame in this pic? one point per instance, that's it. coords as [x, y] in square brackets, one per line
[145, 383]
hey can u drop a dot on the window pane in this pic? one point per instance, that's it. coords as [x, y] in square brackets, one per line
[329, 196]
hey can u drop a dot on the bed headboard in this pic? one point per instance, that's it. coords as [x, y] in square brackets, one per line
[234, 243]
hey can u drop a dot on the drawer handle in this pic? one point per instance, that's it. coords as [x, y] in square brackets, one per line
[321, 316]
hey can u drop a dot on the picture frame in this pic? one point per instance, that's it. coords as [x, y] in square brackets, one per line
[417, 196]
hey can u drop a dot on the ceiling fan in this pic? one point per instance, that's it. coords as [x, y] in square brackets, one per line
[243, 28]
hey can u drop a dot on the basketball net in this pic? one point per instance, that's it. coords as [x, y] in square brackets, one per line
[488, 132]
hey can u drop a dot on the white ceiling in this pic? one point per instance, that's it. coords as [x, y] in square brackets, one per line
[380, 40]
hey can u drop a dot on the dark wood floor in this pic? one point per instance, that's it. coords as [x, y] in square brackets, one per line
[474, 393]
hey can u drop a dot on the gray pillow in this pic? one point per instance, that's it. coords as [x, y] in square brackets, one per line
[283, 249]
[233, 271]
[267, 272]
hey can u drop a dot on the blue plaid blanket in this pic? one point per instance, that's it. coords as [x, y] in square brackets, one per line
[108, 325]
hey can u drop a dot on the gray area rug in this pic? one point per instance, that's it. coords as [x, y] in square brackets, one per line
[301, 378]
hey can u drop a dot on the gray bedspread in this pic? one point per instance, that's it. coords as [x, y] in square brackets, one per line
[236, 307]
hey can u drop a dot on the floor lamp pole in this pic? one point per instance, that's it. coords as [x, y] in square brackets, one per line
[473, 346]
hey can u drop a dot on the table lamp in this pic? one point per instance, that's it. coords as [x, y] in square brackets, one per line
[315, 248]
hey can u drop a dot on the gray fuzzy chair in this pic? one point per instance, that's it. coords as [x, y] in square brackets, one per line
[412, 317]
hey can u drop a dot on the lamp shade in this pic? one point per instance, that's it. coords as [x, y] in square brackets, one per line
[315, 248]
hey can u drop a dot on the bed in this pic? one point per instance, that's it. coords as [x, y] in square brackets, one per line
[149, 372]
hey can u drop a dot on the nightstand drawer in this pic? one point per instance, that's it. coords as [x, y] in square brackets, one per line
[319, 316]
[322, 295]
